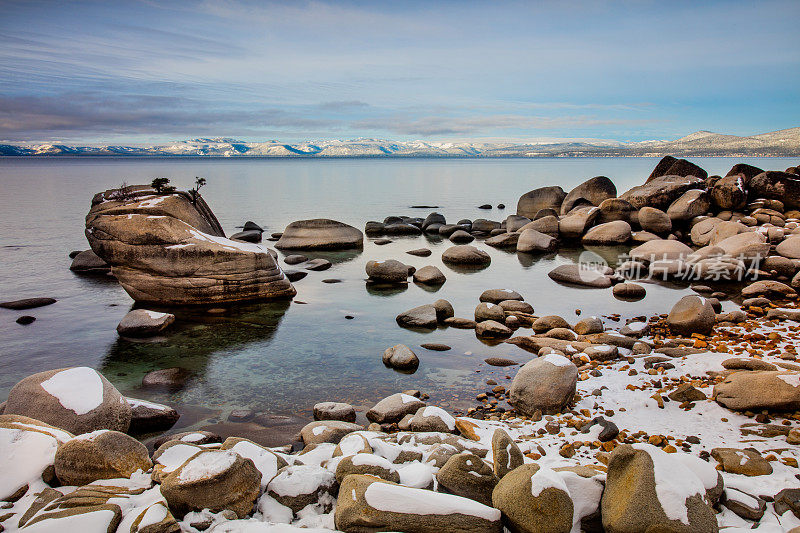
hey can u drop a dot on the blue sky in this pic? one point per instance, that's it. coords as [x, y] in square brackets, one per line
[142, 72]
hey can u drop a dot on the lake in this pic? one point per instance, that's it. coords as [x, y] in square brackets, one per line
[281, 358]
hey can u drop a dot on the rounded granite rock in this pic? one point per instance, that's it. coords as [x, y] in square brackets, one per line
[321, 234]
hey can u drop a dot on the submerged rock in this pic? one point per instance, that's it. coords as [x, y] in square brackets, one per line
[144, 323]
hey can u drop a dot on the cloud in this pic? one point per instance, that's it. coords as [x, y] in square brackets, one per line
[342, 105]
[445, 125]
[75, 114]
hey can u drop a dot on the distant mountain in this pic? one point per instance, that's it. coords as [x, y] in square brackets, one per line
[701, 143]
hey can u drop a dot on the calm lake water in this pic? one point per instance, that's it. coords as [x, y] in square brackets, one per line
[281, 358]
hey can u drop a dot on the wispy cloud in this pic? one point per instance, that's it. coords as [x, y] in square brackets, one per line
[443, 125]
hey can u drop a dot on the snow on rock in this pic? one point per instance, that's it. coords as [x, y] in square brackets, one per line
[79, 389]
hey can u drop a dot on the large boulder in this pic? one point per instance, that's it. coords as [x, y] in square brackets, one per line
[334, 411]
[660, 250]
[169, 249]
[213, 479]
[533, 499]
[661, 191]
[730, 192]
[654, 220]
[150, 417]
[387, 271]
[393, 408]
[88, 262]
[542, 198]
[320, 234]
[400, 357]
[266, 461]
[144, 323]
[757, 390]
[692, 203]
[692, 314]
[648, 489]
[670, 166]
[367, 503]
[546, 383]
[297, 486]
[789, 247]
[547, 224]
[429, 275]
[613, 209]
[577, 222]
[581, 274]
[423, 316]
[79, 400]
[100, 454]
[751, 247]
[592, 191]
[27, 454]
[327, 431]
[608, 233]
[466, 255]
[776, 185]
[367, 463]
[748, 171]
[533, 241]
[465, 474]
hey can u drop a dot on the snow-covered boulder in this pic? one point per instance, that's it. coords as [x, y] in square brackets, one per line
[365, 463]
[327, 431]
[27, 454]
[170, 456]
[467, 475]
[78, 399]
[267, 462]
[394, 407]
[534, 499]
[649, 489]
[297, 486]
[368, 503]
[432, 418]
[101, 454]
[215, 480]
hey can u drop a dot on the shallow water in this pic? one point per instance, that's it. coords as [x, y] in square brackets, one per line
[281, 358]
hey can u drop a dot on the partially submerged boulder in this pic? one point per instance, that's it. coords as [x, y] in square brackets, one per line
[546, 384]
[692, 314]
[144, 323]
[170, 250]
[660, 192]
[78, 399]
[320, 234]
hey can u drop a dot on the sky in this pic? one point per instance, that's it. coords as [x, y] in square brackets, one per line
[148, 72]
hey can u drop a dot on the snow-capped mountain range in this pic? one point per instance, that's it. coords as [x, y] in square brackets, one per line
[701, 143]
